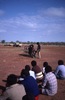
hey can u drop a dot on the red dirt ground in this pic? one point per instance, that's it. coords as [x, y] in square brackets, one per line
[13, 60]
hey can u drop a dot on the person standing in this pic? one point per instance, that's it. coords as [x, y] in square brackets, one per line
[38, 49]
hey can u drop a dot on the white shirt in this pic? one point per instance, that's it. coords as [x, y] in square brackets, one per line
[32, 73]
[43, 69]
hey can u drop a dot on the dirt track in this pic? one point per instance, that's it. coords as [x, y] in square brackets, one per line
[13, 59]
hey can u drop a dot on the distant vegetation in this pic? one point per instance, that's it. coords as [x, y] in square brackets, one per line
[28, 42]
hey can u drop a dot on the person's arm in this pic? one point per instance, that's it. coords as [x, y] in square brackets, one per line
[56, 71]
[2, 89]
[4, 96]
[44, 82]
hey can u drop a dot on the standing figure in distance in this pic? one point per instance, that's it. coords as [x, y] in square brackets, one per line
[38, 49]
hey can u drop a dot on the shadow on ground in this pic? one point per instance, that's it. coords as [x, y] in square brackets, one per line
[25, 55]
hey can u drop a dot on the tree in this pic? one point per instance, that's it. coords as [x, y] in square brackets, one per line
[3, 41]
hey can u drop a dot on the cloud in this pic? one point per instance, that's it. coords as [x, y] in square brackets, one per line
[1, 12]
[24, 21]
[36, 24]
[54, 12]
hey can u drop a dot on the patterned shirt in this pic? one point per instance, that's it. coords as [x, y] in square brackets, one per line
[38, 72]
[50, 82]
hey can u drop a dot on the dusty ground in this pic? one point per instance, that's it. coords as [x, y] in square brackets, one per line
[13, 59]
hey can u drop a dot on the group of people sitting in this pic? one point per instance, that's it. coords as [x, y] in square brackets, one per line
[33, 81]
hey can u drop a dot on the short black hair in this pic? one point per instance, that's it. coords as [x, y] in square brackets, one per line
[24, 73]
[27, 67]
[48, 69]
[37, 42]
[45, 64]
[60, 62]
[33, 63]
[11, 79]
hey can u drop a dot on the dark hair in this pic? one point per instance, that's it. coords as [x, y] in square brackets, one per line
[45, 64]
[33, 63]
[60, 62]
[38, 43]
[11, 79]
[24, 73]
[27, 67]
[48, 69]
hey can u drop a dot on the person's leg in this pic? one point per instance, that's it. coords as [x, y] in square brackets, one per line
[39, 54]
[44, 91]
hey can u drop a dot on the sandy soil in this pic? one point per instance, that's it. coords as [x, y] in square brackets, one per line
[14, 59]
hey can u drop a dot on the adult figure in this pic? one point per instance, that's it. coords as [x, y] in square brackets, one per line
[32, 73]
[32, 51]
[60, 70]
[37, 70]
[38, 49]
[30, 84]
[14, 91]
[49, 85]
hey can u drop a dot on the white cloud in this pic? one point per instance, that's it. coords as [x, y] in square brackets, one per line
[39, 24]
[19, 22]
[54, 12]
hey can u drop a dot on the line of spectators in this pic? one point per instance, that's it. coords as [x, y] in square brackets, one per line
[26, 86]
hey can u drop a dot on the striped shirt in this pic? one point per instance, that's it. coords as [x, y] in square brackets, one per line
[38, 72]
[50, 82]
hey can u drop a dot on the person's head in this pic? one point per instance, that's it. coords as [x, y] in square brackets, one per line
[11, 79]
[60, 62]
[37, 43]
[48, 69]
[24, 73]
[33, 63]
[27, 67]
[45, 64]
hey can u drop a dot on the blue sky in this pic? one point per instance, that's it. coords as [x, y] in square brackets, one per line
[32, 20]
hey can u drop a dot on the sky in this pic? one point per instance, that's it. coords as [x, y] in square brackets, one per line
[32, 20]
